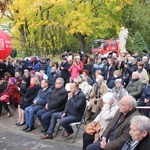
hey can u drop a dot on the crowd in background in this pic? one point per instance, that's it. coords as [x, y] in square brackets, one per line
[41, 87]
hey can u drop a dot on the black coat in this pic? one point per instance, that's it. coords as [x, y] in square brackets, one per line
[64, 72]
[29, 96]
[57, 100]
[76, 105]
[3, 69]
[52, 78]
[144, 144]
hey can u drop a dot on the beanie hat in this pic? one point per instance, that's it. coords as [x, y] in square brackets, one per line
[86, 71]
[13, 80]
[82, 77]
[107, 97]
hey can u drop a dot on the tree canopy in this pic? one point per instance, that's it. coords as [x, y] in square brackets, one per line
[45, 26]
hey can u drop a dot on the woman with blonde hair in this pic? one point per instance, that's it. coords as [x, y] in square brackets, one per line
[27, 100]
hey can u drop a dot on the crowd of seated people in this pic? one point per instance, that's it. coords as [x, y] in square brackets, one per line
[40, 87]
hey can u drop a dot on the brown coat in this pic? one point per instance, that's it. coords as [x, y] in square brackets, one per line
[121, 133]
[96, 108]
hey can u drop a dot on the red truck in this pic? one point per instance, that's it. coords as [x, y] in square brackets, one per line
[104, 47]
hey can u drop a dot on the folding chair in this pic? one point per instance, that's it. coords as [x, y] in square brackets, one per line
[77, 124]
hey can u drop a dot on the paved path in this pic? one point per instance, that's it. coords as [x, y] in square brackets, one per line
[13, 138]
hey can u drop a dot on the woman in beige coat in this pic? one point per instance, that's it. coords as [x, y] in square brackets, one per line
[107, 113]
[99, 88]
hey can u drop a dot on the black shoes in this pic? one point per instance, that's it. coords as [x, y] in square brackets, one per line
[18, 124]
[30, 129]
[25, 128]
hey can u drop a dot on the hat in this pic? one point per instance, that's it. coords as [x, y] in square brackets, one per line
[13, 80]
[82, 77]
[107, 97]
[86, 71]
[118, 80]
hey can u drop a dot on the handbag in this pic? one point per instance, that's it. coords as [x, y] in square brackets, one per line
[92, 130]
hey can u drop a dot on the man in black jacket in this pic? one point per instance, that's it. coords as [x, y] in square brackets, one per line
[73, 112]
[64, 70]
[55, 103]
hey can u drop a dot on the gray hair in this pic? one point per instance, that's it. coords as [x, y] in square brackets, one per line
[135, 73]
[143, 122]
[61, 80]
[132, 102]
[118, 80]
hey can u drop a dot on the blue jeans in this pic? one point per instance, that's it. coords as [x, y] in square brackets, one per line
[30, 113]
[44, 117]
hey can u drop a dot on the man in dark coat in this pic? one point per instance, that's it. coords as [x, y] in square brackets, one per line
[73, 112]
[55, 103]
[135, 86]
[139, 132]
[117, 131]
[64, 70]
[52, 77]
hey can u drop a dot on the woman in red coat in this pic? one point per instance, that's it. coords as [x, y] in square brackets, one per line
[11, 96]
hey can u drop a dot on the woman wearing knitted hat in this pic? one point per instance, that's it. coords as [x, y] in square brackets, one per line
[119, 90]
[10, 96]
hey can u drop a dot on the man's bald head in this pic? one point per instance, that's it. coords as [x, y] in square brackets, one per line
[127, 103]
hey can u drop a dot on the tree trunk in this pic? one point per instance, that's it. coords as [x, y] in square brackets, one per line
[82, 42]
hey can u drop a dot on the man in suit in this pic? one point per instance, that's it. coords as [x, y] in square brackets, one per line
[139, 131]
[73, 112]
[117, 131]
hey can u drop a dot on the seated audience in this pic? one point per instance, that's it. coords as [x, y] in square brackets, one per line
[107, 113]
[52, 77]
[135, 86]
[118, 91]
[145, 101]
[111, 80]
[99, 88]
[27, 100]
[55, 103]
[73, 112]
[139, 132]
[18, 78]
[38, 104]
[143, 75]
[84, 86]
[10, 96]
[88, 79]
[117, 131]
[4, 82]
[25, 82]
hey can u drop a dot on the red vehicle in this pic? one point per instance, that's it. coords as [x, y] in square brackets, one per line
[104, 47]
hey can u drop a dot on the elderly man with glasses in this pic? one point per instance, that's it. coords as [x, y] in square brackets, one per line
[55, 103]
